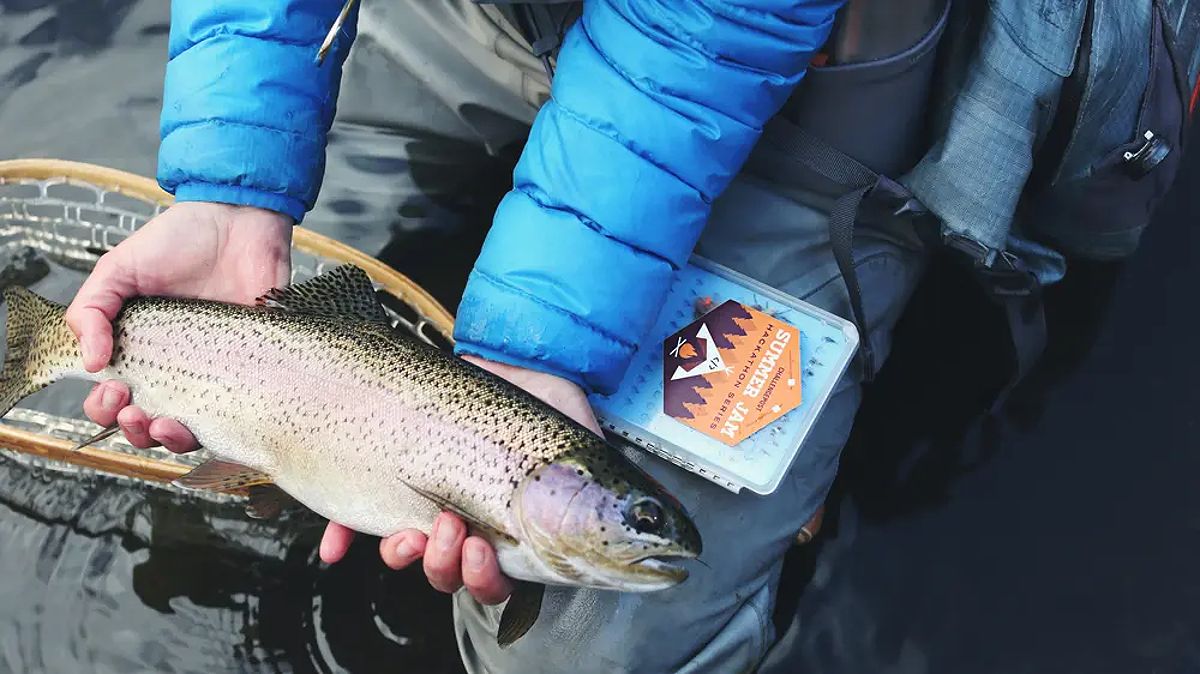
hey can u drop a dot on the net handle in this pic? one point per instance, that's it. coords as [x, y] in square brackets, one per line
[139, 187]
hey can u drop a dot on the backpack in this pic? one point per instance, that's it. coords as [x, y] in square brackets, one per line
[1055, 128]
[1016, 134]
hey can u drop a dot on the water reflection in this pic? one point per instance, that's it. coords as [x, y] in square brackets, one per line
[114, 577]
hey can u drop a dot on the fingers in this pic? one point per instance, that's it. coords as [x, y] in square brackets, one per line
[452, 560]
[443, 554]
[94, 332]
[402, 549]
[173, 435]
[93, 309]
[481, 572]
[135, 424]
[105, 401]
[335, 543]
[109, 403]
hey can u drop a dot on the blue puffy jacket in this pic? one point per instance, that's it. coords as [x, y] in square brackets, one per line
[655, 106]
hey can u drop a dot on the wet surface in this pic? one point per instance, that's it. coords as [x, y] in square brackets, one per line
[1061, 539]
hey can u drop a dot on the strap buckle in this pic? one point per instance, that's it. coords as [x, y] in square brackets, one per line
[1001, 272]
[896, 197]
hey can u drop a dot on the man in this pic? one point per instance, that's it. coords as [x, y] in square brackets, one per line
[655, 107]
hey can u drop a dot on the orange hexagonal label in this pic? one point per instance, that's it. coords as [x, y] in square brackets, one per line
[732, 372]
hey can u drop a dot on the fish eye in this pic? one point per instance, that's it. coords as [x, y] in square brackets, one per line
[646, 515]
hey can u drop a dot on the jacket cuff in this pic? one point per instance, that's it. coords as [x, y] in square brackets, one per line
[241, 196]
[505, 324]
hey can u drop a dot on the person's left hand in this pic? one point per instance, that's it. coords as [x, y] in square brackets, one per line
[452, 559]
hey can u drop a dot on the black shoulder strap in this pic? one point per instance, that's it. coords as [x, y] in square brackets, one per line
[1002, 275]
[788, 142]
[542, 22]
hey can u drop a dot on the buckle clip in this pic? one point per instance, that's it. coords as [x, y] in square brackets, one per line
[1001, 272]
[897, 197]
[1146, 158]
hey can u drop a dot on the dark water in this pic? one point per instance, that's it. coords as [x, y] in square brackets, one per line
[1063, 538]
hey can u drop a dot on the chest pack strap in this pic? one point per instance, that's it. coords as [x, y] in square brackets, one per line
[543, 23]
[1001, 274]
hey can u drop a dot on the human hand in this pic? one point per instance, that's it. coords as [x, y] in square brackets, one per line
[451, 558]
[193, 249]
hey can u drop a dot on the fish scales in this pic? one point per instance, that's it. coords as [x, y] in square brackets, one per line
[276, 389]
[313, 393]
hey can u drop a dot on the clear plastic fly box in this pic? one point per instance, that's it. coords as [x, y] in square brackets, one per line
[731, 379]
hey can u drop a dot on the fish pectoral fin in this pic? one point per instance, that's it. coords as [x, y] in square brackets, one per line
[102, 435]
[223, 476]
[470, 519]
[520, 613]
[267, 501]
[342, 292]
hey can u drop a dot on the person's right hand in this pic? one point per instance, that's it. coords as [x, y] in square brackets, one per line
[193, 249]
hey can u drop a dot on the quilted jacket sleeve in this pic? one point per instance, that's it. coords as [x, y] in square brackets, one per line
[246, 108]
[655, 106]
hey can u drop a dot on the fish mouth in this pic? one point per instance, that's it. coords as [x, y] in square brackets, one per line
[663, 567]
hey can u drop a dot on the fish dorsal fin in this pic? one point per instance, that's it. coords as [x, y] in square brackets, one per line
[222, 476]
[342, 292]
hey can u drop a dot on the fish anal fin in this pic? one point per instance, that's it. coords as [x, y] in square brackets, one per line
[342, 292]
[267, 501]
[520, 613]
[470, 519]
[223, 476]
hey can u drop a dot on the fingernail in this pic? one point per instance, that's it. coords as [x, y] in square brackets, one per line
[474, 556]
[110, 398]
[90, 349]
[405, 550]
[445, 536]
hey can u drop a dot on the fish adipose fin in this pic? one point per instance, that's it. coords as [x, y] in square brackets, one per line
[520, 613]
[41, 348]
[342, 292]
[222, 476]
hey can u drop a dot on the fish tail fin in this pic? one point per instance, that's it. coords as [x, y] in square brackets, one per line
[41, 348]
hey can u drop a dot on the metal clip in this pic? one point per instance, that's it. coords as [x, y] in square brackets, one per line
[334, 30]
[1149, 136]
[1147, 157]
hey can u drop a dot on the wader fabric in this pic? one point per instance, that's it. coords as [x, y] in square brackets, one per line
[487, 85]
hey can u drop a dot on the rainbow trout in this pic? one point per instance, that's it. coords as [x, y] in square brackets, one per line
[314, 394]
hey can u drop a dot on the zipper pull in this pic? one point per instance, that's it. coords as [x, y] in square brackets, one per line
[334, 30]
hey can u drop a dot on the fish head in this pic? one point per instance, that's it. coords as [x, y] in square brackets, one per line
[595, 519]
